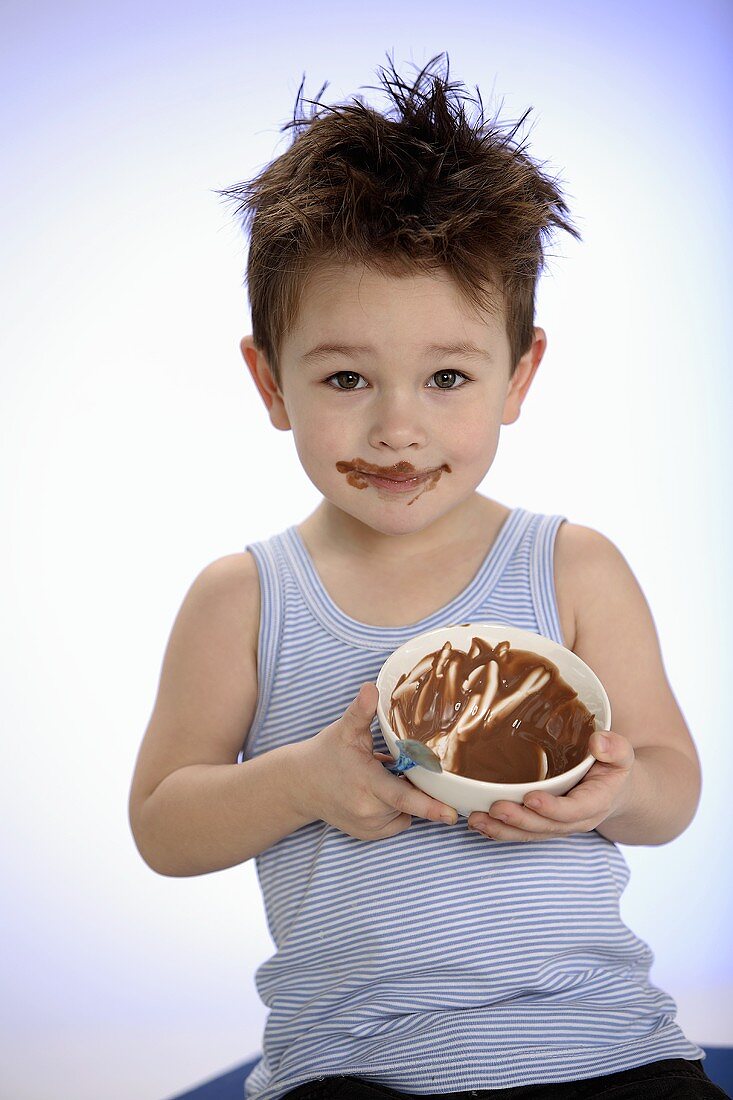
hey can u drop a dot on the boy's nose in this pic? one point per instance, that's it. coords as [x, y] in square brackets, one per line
[397, 425]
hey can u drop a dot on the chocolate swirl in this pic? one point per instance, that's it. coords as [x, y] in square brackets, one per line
[495, 713]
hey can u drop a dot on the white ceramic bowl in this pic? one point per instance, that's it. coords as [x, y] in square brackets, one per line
[467, 795]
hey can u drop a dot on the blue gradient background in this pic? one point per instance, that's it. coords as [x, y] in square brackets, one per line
[133, 444]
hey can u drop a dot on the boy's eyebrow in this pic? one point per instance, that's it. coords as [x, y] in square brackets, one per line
[462, 347]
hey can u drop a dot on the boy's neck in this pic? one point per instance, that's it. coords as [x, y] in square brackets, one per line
[329, 527]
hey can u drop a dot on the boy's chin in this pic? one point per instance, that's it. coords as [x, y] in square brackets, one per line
[394, 517]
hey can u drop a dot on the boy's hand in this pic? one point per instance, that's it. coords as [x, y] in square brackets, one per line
[343, 782]
[601, 793]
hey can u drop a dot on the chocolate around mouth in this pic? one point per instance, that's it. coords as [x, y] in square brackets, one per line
[356, 472]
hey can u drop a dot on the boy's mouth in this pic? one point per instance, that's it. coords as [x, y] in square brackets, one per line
[400, 471]
[398, 480]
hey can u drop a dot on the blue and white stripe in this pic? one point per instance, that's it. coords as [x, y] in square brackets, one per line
[436, 960]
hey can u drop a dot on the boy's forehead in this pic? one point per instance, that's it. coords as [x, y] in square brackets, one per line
[342, 301]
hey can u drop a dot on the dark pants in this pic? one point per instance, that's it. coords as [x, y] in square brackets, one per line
[670, 1079]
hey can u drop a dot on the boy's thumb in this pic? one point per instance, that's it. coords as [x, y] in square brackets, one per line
[364, 706]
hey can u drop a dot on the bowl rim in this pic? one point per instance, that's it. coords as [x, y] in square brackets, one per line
[540, 784]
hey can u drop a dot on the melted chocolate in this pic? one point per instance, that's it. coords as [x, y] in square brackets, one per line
[357, 469]
[495, 713]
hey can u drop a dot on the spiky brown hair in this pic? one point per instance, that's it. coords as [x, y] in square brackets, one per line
[429, 188]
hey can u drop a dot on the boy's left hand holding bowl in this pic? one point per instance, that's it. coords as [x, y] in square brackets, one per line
[602, 793]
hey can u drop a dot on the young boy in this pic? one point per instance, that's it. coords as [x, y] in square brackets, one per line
[391, 272]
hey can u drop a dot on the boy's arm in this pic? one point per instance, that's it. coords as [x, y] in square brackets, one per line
[651, 771]
[192, 808]
[616, 636]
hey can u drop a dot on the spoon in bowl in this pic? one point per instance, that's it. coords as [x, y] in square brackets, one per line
[413, 752]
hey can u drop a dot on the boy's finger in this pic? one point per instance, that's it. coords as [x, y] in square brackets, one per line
[612, 748]
[367, 698]
[579, 804]
[402, 795]
[535, 822]
[362, 708]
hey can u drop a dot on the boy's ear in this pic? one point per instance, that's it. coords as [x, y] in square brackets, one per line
[266, 384]
[522, 377]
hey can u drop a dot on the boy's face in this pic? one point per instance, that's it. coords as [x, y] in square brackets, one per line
[393, 402]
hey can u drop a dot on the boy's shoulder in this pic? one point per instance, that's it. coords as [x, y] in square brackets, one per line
[588, 567]
[230, 586]
[586, 556]
[232, 574]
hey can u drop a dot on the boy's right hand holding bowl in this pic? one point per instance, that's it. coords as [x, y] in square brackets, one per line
[342, 780]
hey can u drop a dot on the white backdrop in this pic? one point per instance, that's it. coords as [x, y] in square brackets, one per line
[132, 443]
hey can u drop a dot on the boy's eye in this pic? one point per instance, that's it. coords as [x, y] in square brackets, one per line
[350, 375]
[441, 375]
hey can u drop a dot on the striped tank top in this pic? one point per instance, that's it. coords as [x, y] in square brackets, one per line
[437, 960]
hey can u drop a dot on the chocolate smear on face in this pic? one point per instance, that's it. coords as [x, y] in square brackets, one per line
[498, 714]
[356, 470]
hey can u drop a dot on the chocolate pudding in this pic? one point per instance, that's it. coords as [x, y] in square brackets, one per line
[495, 713]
